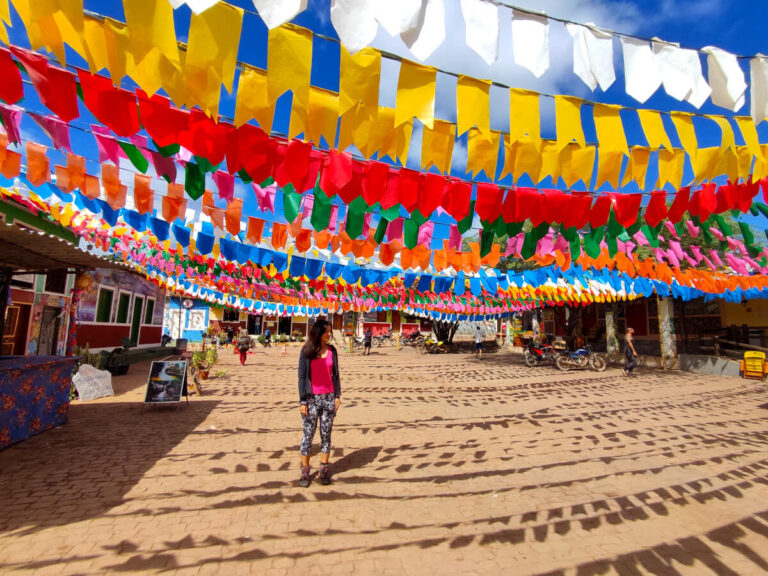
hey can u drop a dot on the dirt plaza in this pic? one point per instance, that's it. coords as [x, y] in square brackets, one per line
[440, 463]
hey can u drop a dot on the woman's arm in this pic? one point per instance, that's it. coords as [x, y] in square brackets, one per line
[302, 379]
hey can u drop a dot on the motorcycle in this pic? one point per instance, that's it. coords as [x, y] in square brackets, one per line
[411, 339]
[580, 359]
[381, 339]
[431, 346]
[538, 354]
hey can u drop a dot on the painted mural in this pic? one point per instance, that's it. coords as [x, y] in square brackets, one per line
[48, 325]
[119, 280]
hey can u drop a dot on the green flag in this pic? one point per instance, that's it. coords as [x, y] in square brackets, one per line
[381, 230]
[291, 202]
[135, 156]
[355, 217]
[411, 233]
[321, 210]
[466, 223]
[194, 181]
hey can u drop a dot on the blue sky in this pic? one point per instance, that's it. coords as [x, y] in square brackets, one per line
[734, 26]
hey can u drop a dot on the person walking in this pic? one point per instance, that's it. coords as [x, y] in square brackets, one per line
[319, 395]
[630, 353]
[478, 342]
[367, 340]
[243, 345]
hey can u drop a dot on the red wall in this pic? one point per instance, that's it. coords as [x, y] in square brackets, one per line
[102, 335]
[150, 334]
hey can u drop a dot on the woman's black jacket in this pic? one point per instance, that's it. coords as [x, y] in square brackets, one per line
[305, 376]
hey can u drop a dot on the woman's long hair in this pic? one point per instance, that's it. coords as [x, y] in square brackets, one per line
[314, 343]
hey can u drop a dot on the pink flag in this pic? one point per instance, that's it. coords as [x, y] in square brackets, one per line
[139, 140]
[183, 154]
[717, 234]
[678, 250]
[716, 258]
[640, 238]
[395, 229]
[562, 244]
[671, 229]
[672, 257]
[333, 223]
[11, 119]
[366, 224]
[454, 238]
[163, 166]
[696, 253]
[510, 247]
[109, 149]
[55, 129]
[425, 233]
[225, 182]
[307, 203]
[692, 229]
[544, 246]
[265, 197]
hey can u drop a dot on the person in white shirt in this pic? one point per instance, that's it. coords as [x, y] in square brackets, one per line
[478, 342]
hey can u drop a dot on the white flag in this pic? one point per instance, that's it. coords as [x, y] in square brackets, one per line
[681, 73]
[200, 6]
[592, 56]
[278, 12]
[641, 71]
[530, 41]
[355, 22]
[400, 16]
[430, 32]
[726, 78]
[482, 23]
[758, 96]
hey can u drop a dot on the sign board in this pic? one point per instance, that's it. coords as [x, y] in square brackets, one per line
[92, 383]
[167, 382]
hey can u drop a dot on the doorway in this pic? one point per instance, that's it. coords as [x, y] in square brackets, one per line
[49, 331]
[284, 326]
[254, 324]
[138, 308]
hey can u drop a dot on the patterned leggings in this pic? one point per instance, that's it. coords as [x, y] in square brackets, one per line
[320, 407]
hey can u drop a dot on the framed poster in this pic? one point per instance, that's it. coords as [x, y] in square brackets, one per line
[167, 382]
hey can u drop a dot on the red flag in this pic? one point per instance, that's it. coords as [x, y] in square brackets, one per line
[656, 210]
[11, 88]
[112, 106]
[56, 87]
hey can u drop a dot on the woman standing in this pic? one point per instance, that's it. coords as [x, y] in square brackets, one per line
[320, 396]
[630, 352]
[243, 345]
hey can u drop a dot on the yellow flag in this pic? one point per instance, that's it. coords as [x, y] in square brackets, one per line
[550, 161]
[119, 57]
[637, 167]
[437, 146]
[671, 164]
[395, 141]
[527, 158]
[744, 159]
[608, 167]
[483, 152]
[749, 133]
[728, 140]
[705, 164]
[359, 77]
[578, 163]
[214, 38]
[415, 93]
[152, 32]
[96, 45]
[761, 164]
[568, 120]
[510, 148]
[524, 115]
[323, 116]
[473, 104]
[685, 131]
[289, 66]
[175, 81]
[653, 127]
[727, 164]
[610, 130]
[253, 100]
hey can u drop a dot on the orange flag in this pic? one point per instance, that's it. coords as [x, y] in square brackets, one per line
[38, 166]
[304, 240]
[322, 239]
[116, 196]
[75, 172]
[62, 179]
[386, 254]
[91, 187]
[406, 258]
[143, 196]
[233, 215]
[255, 229]
[279, 235]
[335, 243]
[217, 217]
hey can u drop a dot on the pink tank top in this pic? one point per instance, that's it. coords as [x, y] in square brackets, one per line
[322, 383]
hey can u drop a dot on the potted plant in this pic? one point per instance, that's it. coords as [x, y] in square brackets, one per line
[262, 340]
[212, 356]
[201, 364]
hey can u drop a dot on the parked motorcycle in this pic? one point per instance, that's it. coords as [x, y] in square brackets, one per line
[535, 354]
[411, 339]
[580, 359]
[382, 339]
[431, 346]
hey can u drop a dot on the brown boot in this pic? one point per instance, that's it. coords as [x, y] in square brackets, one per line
[324, 477]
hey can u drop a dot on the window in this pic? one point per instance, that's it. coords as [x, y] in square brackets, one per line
[56, 281]
[122, 308]
[231, 316]
[104, 305]
[149, 312]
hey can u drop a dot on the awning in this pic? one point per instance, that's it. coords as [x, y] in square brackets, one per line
[24, 249]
